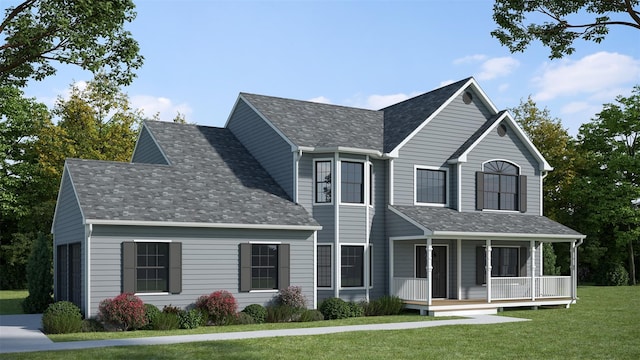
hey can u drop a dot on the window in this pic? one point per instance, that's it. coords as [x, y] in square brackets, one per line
[431, 186]
[421, 261]
[500, 187]
[352, 266]
[505, 262]
[264, 266]
[323, 181]
[324, 266]
[151, 267]
[352, 186]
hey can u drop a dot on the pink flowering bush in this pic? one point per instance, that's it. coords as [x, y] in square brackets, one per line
[125, 311]
[221, 307]
[293, 297]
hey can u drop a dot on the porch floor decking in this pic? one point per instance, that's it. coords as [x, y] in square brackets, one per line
[454, 307]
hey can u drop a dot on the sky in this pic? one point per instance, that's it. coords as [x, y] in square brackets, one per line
[199, 55]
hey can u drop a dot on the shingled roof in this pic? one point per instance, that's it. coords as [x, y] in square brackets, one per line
[313, 124]
[446, 220]
[212, 179]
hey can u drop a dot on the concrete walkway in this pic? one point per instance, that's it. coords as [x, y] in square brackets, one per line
[21, 333]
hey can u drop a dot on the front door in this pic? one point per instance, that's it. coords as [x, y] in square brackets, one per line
[439, 272]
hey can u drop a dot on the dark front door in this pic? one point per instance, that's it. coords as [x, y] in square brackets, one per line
[439, 272]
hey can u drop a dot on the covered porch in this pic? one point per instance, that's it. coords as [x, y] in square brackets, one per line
[471, 272]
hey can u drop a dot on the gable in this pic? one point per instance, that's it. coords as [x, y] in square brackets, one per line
[147, 149]
[68, 216]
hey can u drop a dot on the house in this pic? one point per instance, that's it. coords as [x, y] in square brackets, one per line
[436, 199]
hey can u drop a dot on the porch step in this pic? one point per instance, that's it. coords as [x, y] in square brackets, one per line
[463, 312]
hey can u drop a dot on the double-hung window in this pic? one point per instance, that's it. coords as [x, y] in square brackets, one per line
[501, 187]
[322, 182]
[352, 266]
[431, 186]
[352, 182]
[505, 262]
[324, 266]
[151, 267]
[264, 266]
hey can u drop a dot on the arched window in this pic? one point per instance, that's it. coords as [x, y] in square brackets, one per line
[500, 187]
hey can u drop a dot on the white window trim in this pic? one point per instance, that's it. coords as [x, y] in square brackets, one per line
[415, 185]
[331, 287]
[277, 243]
[364, 267]
[365, 177]
[160, 293]
[333, 180]
[505, 160]
[264, 291]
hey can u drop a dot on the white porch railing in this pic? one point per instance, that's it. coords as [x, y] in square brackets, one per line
[410, 288]
[502, 288]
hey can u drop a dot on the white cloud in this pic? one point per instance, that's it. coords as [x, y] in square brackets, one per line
[601, 76]
[503, 87]
[321, 99]
[497, 67]
[470, 59]
[150, 105]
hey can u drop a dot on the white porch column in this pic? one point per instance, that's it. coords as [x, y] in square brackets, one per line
[488, 270]
[429, 269]
[574, 272]
[532, 247]
[459, 267]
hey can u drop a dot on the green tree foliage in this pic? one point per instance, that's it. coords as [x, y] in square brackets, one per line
[556, 145]
[39, 276]
[89, 34]
[552, 22]
[607, 185]
[23, 186]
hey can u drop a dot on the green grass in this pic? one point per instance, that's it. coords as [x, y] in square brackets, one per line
[605, 324]
[11, 301]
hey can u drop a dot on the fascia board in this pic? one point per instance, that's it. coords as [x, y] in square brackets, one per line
[425, 230]
[203, 225]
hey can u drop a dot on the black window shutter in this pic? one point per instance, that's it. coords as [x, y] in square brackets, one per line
[175, 267]
[283, 266]
[522, 193]
[128, 267]
[481, 271]
[245, 267]
[523, 262]
[479, 190]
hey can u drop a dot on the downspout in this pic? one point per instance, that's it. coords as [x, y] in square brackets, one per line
[544, 175]
[336, 214]
[367, 231]
[459, 189]
[87, 289]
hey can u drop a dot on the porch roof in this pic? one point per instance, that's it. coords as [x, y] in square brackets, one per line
[443, 222]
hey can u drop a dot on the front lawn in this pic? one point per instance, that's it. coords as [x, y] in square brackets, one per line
[11, 301]
[603, 325]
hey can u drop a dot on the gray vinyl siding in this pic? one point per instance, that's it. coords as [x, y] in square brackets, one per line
[68, 229]
[435, 143]
[509, 148]
[398, 227]
[325, 216]
[147, 150]
[377, 236]
[353, 223]
[270, 149]
[305, 181]
[210, 262]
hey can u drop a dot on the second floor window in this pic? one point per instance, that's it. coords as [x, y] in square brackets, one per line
[500, 186]
[431, 186]
[352, 186]
[323, 182]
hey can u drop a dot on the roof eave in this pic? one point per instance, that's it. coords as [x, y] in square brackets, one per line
[506, 236]
[345, 149]
[203, 225]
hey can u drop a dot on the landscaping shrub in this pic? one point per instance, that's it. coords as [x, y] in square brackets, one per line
[282, 313]
[243, 318]
[39, 276]
[311, 315]
[125, 311]
[389, 305]
[335, 308]
[292, 296]
[221, 306]
[355, 309]
[612, 274]
[257, 312]
[166, 321]
[62, 317]
[92, 325]
[151, 313]
[190, 319]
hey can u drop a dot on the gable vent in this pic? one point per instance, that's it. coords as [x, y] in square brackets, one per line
[467, 97]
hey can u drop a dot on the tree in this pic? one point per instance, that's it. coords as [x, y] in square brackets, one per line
[607, 184]
[89, 34]
[23, 186]
[560, 31]
[39, 276]
[556, 145]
